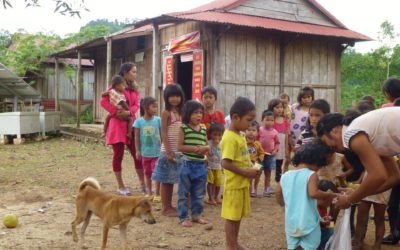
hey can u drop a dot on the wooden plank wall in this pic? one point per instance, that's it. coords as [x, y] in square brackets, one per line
[312, 62]
[67, 91]
[291, 10]
[248, 64]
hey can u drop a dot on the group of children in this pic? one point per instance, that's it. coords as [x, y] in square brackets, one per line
[192, 144]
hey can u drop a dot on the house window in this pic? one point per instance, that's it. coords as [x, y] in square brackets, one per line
[140, 43]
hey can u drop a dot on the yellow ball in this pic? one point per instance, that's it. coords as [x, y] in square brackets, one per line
[10, 220]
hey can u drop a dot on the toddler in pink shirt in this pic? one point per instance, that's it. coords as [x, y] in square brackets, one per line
[270, 143]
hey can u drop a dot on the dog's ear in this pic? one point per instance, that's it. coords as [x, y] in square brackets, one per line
[144, 203]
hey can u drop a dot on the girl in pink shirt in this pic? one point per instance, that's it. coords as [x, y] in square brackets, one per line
[282, 125]
[270, 143]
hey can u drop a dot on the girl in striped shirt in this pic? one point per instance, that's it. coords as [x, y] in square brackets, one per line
[192, 143]
[168, 165]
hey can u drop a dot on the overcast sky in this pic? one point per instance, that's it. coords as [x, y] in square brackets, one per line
[363, 16]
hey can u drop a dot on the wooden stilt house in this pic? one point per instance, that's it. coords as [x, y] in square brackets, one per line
[253, 48]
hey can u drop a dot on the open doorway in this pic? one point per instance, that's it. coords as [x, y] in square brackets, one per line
[184, 76]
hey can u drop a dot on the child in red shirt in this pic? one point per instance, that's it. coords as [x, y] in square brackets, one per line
[211, 114]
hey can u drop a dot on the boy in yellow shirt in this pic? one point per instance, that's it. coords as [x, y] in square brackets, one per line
[237, 169]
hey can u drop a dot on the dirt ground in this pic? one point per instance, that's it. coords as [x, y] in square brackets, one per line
[38, 181]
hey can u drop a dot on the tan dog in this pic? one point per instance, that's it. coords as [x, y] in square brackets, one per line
[111, 209]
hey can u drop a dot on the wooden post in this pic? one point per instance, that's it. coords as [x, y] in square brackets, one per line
[109, 62]
[282, 46]
[15, 104]
[56, 86]
[156, 59]
[78, 92]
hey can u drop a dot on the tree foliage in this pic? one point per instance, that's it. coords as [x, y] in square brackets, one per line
[28, 51]
[364, 73]
[63, 7]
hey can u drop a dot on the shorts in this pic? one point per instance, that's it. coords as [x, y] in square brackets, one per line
[165, 171]
[215, 177]
[148, 164]
[269, 163]
[236, 204]
[310, 241]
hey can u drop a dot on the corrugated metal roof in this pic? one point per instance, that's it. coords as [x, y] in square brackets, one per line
[272, 24]
[227, 5]
[12, 85]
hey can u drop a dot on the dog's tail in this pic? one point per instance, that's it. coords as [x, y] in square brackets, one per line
[90, 181]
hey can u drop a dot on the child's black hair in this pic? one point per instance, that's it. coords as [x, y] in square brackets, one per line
[391, 87]
[322, 105]
[189, 108]
[284, 95]
[325, 185]
[368, 98]
[117, 79]
[329, 122]
[216, 127]
[305, 91]
[396, 102]
[365, 106]
[273, 103]
[173, 90]
[266, 113]
[316, 153]
[242, 106]
[209, 89]
[255, 124]
[146, 102]
[350, 115]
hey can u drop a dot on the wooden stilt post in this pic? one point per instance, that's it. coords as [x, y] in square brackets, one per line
[109, 62]
[78, 92]
[56, 86]
[156, 59]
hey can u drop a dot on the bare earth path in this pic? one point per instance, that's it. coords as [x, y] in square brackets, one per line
[38, 181]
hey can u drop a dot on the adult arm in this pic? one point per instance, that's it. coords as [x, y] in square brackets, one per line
[105, 103]
[113, 111]
[378, 178]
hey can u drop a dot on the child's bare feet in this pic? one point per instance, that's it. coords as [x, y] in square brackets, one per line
[218, 201]
[211, 202]
[169, 212]
[200, 221]
[240, 247]
[186, 223]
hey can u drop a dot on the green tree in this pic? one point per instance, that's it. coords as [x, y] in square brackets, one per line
[5, 41]
[28, 51]
[388, 37]
[63, 7]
